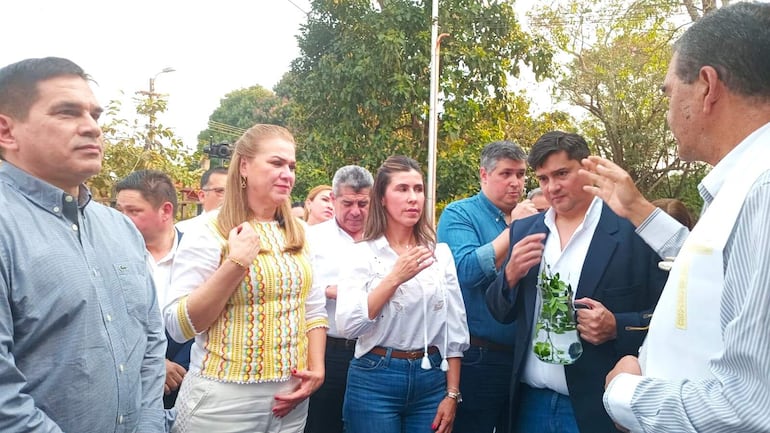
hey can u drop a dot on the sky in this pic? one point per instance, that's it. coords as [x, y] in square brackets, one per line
[217, 48]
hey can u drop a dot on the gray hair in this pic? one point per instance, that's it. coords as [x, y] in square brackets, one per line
[734, 40]
[351, 176]
[495, 151]
[534, 193]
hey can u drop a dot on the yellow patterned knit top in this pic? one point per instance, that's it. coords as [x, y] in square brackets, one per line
[261, 334]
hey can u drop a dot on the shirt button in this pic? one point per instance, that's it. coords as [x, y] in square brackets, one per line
[75, 227]
[121, 368]
[56, 209]
[68, 198]
[120, 419]
[109, 319]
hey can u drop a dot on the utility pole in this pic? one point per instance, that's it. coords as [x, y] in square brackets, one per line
[435, 44]
[150, 142]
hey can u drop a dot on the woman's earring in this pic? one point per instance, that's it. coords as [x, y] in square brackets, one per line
[243, 182]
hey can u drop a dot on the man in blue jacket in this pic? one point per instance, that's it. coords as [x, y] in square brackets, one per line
[614, 275]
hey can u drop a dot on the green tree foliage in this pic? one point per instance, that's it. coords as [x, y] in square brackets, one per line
[360, 88]
[618, 54]
[239, 110]
[127, 150]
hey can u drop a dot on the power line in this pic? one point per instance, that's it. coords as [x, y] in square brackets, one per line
[296, 6]
[226, 129]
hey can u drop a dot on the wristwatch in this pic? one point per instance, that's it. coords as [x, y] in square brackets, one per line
[457, 396]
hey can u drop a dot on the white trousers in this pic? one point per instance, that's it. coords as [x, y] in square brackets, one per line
[208, 406]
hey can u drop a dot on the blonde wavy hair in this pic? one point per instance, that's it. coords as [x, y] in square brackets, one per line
[235, 208]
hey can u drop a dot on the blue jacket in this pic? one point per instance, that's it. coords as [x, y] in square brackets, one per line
[622, 273]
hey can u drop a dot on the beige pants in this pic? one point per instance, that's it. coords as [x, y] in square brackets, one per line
[208, 406]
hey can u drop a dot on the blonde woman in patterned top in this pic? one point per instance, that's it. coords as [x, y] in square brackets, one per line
[242, 287]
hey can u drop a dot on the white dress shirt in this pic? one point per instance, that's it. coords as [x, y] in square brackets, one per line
[187, 224]
[430, 304]
[161, 270]
[329, 246]
[568, 263]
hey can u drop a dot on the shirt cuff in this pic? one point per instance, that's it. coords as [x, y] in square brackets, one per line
[617, 400]
[658, 230]
[185, 323]
[486, 257]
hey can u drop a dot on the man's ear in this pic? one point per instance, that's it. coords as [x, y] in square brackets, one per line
[168, 211]
[483, 174]
[7, 140]
[711, 87]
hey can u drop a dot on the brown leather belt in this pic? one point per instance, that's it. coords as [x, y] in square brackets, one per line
[494, 347]
[403, 354]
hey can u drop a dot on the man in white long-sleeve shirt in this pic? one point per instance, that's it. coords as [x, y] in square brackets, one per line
[328, 241]
[703, 367]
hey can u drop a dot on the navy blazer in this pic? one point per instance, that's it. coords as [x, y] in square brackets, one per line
[622, 273]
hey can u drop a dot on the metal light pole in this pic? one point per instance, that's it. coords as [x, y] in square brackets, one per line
[151, 127]
[435, 44]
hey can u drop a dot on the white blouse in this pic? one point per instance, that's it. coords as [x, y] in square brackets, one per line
[430, 304]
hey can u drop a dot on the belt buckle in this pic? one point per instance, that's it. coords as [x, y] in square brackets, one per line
[414, 354]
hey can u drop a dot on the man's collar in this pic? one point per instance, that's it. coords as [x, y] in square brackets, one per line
[713, 181]
[490, 207]
[45, 195]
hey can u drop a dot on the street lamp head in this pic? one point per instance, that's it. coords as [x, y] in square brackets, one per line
[163, 71]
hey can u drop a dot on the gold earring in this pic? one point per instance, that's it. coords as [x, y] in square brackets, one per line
[243, 182]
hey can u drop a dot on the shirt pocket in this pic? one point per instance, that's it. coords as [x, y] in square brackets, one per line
[133, 281]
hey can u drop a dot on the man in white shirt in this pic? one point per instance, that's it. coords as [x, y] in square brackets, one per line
[149, 199]
[328, 242]
[614, 276]
[704, 364]
[211, 195]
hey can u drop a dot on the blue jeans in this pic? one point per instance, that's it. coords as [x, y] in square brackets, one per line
[485, 381]
[389, 395]
[544, 411]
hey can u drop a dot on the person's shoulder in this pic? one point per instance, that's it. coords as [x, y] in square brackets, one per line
[530, 220]
[608, 216]
[320, 228]
[105, 212]
[522, 226]
[187, 224]
[463, 204]
[459, 211]
[763, 181]
[109, 216]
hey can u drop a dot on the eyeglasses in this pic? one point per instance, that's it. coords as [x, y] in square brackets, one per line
[218, 191]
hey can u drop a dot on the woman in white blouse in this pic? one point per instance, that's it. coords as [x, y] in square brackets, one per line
[241, 286]
[401, 300]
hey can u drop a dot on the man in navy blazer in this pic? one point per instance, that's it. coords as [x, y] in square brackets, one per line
[615, 277]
